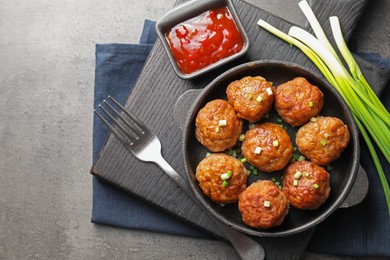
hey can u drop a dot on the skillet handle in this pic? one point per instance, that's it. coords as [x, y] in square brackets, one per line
[180, 111]
[358, 191]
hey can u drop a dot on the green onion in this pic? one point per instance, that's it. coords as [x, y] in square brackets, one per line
[225, 183]
[295, 182]
[275, 143]
[257, 150]
[222, 122]
[310, 103]
[267, 204]
[255, 171]
[323, 142]
[369, 113]
[301, 158]
[297, 175]
[313, 119]
[227, 175]
[315, 186]
[259, 99]
[243, 160]
[269, 91]
[242, 137]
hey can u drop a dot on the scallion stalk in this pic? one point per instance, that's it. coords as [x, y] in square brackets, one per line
[369, 113]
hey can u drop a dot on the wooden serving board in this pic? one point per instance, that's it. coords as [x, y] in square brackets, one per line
[153, 99]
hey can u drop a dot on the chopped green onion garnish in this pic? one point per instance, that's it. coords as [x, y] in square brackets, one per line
[329, 168]
[251, 126]
[301, 158]
[248, 172]
[323, 142]
[269, 91]
[279, 120]
[297, 175]
[267, 204]
[259, 99]
[257, 150]
[275, 143]
[217, 129]
[295, 182]
[250, 95]
[225, 183]
[243, 160]
[208, 154]
[315, 186]
[241, 138]
[295, 149]
[313, 119]
[222, 122]
[227, 175]
[310, 103]
[255, 172]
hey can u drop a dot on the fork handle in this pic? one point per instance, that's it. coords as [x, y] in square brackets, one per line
[246, 247]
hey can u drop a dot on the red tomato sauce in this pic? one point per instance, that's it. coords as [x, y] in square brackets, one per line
[204, 39]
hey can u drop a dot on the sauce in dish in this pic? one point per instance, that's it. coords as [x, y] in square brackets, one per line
[204, 40]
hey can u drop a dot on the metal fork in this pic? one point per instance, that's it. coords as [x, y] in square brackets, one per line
[146, 147]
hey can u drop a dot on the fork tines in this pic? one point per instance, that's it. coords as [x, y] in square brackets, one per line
[133, 130]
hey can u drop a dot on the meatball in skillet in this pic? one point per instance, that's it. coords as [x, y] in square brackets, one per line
[323, 139]
[267, 146]
[251, 97]
[217, 126]
[221, 177]
[306, 185]
[296, 101]
[263, 205]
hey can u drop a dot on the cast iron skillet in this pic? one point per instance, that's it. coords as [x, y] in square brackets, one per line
[343, 171]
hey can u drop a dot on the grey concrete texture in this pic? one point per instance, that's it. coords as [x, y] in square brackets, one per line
[46, 96]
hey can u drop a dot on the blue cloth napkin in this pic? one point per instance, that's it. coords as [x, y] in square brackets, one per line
[358, 231]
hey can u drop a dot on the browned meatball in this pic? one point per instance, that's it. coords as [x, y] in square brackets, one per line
[267, 146]
[263, 205]
[221, 177]
[296, 101]
[306, 185]
[323, 139]
[217, 126]
[251, 97]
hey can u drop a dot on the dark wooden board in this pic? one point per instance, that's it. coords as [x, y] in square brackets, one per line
[156, 92]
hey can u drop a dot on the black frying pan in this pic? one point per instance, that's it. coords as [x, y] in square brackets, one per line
[344, 169]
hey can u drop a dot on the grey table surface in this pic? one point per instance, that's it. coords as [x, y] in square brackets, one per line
[46, 96]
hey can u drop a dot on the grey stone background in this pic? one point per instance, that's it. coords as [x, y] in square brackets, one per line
[46, 93]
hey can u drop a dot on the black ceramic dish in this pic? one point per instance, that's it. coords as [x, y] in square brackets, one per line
[189, 10]
[344, 169]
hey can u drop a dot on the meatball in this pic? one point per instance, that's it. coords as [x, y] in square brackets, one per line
[267, 146]
[251, 97]
[263, 205]
[221, 177]
[217, 126]
[296, 101]
[323, 139]
[306, 185]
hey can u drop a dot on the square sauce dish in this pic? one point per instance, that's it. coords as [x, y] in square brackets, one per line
[201, 35]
